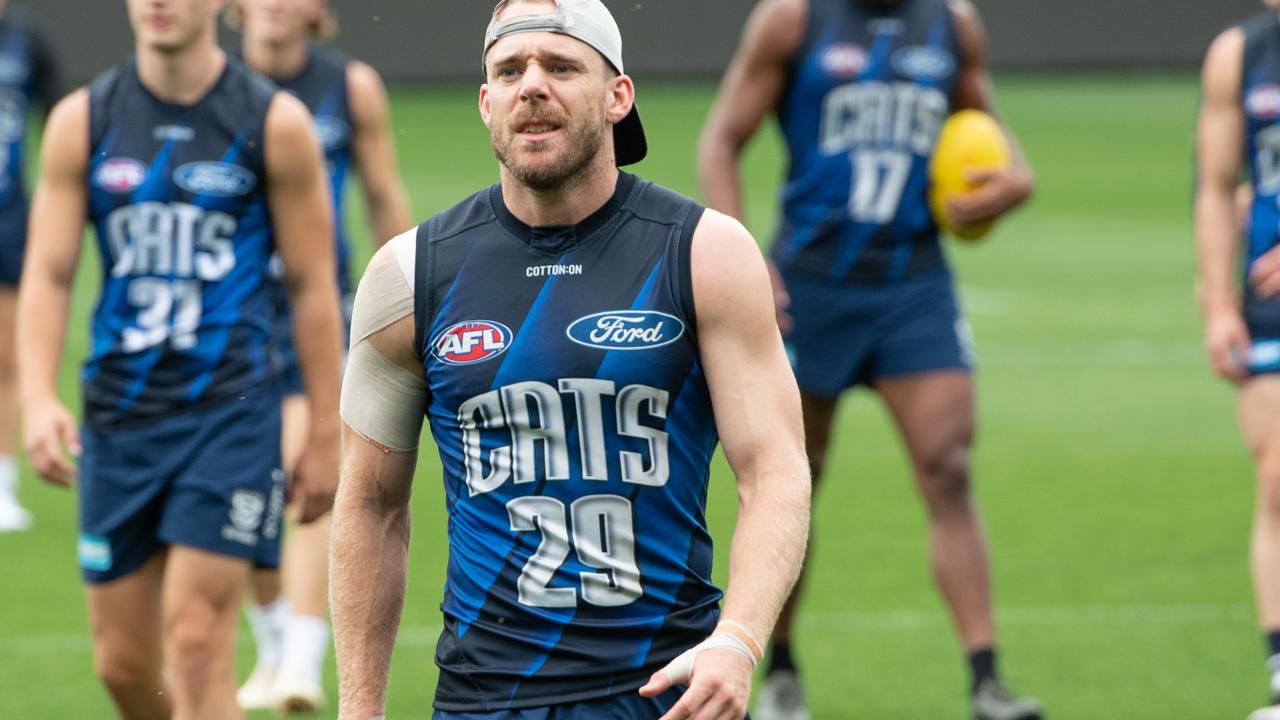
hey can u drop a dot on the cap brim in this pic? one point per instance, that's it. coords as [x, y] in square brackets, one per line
[629, 144]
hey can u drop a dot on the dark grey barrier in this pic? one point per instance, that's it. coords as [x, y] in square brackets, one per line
[434, 40]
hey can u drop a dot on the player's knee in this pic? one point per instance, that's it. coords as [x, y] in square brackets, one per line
[194, 644]
[7, 364]
[944, 476]
[1269, 483]
[124, 671]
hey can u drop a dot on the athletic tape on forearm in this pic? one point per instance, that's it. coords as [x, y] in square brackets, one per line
[742, 631]
[680, 670]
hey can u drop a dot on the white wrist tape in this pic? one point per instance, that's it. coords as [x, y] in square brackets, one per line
[680, 670]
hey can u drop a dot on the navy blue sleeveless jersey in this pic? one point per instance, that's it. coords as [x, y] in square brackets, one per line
[28, 76]
[322, 87]
[869, 90]
[178, 198]
[1260, 93]
[575, 431]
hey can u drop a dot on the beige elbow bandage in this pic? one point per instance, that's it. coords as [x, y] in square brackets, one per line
[381, 401]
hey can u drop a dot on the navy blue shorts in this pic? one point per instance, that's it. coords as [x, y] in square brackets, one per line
[209, 478]
[846, 335]
[13, 243]
[629, 706]
[1262, 317]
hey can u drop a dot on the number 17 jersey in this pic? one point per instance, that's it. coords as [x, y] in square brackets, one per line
[870, 88]
[575, 431]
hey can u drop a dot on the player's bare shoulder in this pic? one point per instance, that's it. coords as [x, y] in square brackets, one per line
[67, 130]
[726, 265]
[776, 28]
[1224, 61]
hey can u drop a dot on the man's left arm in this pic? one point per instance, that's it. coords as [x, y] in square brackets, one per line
[373, 145]
[302, 219]
[757, 410]
[999, 191]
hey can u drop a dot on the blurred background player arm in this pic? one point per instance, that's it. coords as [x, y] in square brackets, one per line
[757, 411]
[303, 223]
[751, 89]
[1219, 139]
[373, 143]
[370, 542]
[1000, 190]
[55, 234]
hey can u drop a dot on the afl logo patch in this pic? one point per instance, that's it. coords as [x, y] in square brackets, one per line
[626, 330]
[1263, 102]
[120, 175]
[922, 62]
[844, 60]
[471, 342]
[218, 179]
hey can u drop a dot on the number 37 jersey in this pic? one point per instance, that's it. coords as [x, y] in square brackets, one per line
[575, 432]
[870, 88]
[176, 194]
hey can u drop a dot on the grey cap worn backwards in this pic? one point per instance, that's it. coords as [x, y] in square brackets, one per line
[590, 22]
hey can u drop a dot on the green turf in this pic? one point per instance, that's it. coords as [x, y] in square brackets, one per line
[1116, 491]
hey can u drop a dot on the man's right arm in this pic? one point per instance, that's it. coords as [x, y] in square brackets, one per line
[55, 234]
[1219, 137]
[751, 88]
[384, 396]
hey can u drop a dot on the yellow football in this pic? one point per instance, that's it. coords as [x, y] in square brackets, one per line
[969, 140]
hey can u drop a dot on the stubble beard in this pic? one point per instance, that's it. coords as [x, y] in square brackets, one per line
[582, 144]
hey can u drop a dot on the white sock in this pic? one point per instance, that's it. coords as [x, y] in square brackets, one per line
[267, 623]
[8, 479]
[306, 641]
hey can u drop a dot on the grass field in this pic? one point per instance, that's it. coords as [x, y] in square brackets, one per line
[1116, 491]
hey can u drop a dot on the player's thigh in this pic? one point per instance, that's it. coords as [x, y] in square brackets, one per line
[819, 418]
[125, 620]
[934, 414]
[8, 313]
[202, 595]
[1258, 406]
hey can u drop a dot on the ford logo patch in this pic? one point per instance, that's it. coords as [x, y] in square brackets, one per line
[923, 62]
[626, 330]
[471, 342]
[218, 179]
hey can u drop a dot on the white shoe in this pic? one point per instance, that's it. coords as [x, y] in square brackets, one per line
[781, 698]
[299, 695]
[1267, 713]
[14, 517]
[259, 691]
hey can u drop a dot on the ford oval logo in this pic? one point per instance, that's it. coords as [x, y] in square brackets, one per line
[626, 330]
[471, 342]
[923, 62]
[215, 178]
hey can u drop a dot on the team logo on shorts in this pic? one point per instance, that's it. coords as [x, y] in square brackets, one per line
[120, 175]
[247, 507]
[626, 330]
[94, 552]
[218, 179]
[1263, 102]
[472, 342]
[844, 60]
[923, 62]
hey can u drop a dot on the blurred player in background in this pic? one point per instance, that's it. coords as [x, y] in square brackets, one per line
[348, 103]
[29, 78]
[1240, 125]
[193, 170]
[578, 337]
[864, 295]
